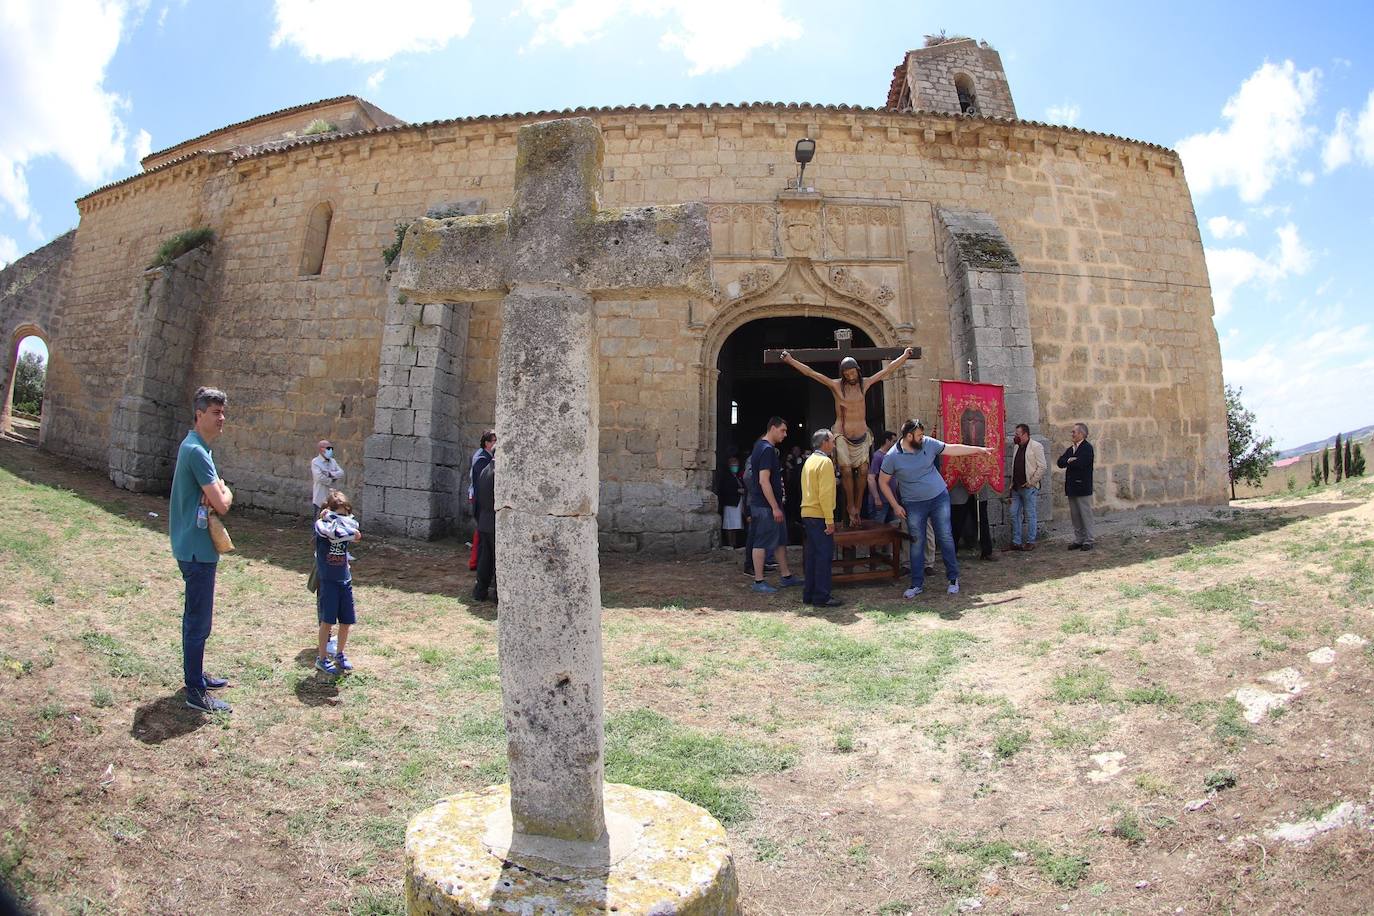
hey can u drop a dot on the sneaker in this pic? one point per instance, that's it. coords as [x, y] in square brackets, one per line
[199, 699]
[953, 588]
[325, 665]
[912, 592]
[832, 601]
[1012, 547]
[213, 683]
[1075, 546]
[769, 566]
[1086, 547]
[763, 587]
[1029, 545]
[789, 582]
[341, 662]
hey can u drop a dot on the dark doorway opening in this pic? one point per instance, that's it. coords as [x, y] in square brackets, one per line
[748, 392]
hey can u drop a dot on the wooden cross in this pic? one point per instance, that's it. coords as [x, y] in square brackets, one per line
[844, 346]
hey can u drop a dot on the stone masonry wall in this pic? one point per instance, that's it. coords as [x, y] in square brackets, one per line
[1104, 230]
[30, 291]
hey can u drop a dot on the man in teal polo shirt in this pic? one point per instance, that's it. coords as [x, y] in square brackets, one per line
[196, 483]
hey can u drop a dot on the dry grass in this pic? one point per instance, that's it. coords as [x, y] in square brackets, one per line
[888, 757]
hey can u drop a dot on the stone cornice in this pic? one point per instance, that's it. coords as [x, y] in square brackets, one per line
[990, 136]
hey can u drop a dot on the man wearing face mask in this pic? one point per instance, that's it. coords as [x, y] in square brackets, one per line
[325, 475]
[730, 492]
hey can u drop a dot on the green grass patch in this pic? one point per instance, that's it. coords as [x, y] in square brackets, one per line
[1076, 623]
[1230, 725]
[1153, 695]
[956, 868]
[1082, 685]
[1128, 827]
[1009, 743]
[1218, 598]
[1201, 557]
[657, 656]
[1219, 780]
[646, 749]
[906, 668]
[122, 661]
[179, 244]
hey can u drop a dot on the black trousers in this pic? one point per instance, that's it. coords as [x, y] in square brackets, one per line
[486, 566]
[961, 521]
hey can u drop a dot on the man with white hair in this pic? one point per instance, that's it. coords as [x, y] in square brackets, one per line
[325, 474]
[1077, 462]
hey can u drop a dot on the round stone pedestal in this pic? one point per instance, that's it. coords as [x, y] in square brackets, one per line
[661, 856]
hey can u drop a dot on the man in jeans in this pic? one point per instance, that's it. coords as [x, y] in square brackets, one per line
[1027, 472]
[767, 526]
[196, 483]
[818, 518]
[925, 499]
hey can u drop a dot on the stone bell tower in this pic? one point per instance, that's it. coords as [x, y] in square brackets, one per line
[958, 76]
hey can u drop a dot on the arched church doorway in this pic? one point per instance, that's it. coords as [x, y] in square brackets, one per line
[748, 392]
[24, 389]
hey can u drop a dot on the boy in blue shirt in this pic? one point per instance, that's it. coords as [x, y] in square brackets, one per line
[196, 490]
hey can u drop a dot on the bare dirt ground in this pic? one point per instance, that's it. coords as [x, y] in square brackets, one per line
[1064, 735]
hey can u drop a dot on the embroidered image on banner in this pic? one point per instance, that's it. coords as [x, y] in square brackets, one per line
[972, 413]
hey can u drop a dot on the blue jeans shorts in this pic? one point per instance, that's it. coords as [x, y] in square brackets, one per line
[335, 602]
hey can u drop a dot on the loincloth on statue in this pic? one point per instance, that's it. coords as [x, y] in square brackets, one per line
[851, 454]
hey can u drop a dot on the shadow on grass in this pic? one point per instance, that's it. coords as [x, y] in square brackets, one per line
[319, 690]
[166, 718]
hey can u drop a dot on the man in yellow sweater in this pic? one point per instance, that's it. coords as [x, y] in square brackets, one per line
[818, 518]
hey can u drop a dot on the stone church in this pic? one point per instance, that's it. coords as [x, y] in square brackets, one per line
[1061, 263]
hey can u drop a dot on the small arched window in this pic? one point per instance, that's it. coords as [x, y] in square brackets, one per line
[968, 101]
[316, 237]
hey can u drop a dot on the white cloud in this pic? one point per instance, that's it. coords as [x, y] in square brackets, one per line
[53, 55]
[1364, 132]
[1336, 150]
[1293, 385]
[1232, 268]
[1306, 177]
[1066, 114]
[9, 251]
[375, 79]
[1223, 227]
[364, 31]
[1265, 131]
[713, 35]
[143, 145]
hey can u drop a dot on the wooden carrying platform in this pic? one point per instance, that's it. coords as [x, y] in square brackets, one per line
[871, 535]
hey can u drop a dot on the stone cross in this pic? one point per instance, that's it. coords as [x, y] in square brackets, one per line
[550, 256]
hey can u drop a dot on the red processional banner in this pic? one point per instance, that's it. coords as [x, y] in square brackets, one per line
[972, 413]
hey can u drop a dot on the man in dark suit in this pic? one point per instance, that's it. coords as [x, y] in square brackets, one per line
[484, 504]
[1077, 462]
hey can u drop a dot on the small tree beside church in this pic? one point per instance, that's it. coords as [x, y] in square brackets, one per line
[1326, 464]
[1249, 455]
[1340, 459]
[1355, 467]
[29, 376]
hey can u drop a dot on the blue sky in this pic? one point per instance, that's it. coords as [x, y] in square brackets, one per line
[1271, 105]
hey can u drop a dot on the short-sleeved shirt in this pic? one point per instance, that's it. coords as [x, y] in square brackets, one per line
[195, 468]
[916, 472]
[331, 560]
[765, 458]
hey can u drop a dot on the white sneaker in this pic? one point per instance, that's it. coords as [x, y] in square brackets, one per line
[953, 588]
[912, 592]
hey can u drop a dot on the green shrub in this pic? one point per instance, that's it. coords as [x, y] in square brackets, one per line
[319, 126]
[390, 252]
[179, 244]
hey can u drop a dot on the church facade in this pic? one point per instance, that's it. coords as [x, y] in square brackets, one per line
[1063, 264]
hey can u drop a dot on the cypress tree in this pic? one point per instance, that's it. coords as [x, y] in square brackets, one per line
[1349, 459]
[1326, 464]
[1340, 459]
[1316, 472]
[1358, 468]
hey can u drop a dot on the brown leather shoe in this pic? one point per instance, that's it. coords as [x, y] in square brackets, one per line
[1028, 546]
[1010, 547]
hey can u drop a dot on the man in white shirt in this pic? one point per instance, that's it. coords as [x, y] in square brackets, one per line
[325, 474]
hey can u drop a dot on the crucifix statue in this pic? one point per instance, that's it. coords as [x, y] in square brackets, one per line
[558, 833]
[853, 438]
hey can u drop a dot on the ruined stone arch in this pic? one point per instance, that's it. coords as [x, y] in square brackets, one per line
[800, 291]
[11, 362]
[316, 239]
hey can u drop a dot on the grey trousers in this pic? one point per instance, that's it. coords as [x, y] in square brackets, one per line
[1081, 511]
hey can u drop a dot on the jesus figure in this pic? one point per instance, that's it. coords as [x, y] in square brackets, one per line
[855, 439]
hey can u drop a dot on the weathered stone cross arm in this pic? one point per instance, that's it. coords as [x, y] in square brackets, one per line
[555, 234]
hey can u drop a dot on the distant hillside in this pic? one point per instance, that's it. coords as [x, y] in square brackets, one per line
[1360, 435]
